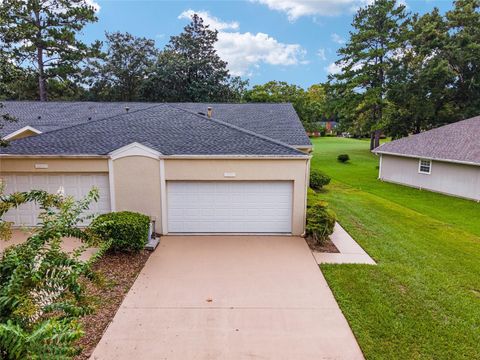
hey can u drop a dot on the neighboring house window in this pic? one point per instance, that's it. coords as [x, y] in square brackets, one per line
[425, 166]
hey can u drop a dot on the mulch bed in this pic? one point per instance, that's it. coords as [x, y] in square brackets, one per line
[328, 246]
[117, 273]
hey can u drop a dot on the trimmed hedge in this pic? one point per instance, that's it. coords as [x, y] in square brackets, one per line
[318, 179]
[129, 231]
[320, 222]
[343, 158]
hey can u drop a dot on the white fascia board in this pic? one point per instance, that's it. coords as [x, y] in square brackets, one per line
[427, 158]
[238, 157]
[19, 131]
[135, 149]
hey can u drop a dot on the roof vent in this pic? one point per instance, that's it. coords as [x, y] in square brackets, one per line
[39, 117]
[209, 112]
[127, 109]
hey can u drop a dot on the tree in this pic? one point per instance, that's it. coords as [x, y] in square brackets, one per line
[421, 81]
[189, 69]
[6, 71]
[120, 73]
[309, 104]
[463, 55]
[378, 35]
[41, 35]
[42, 286]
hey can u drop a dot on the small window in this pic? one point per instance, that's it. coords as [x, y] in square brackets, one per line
[425, 166]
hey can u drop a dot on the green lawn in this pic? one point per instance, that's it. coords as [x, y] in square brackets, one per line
[422, 300]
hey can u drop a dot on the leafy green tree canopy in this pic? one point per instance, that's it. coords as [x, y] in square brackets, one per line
[189, 69]
[120, 73]
[42, 36]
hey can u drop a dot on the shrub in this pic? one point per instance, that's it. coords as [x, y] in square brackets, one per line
[42, 293]
[343, 158]
[320, 222]
[127, 230]
[318, 179]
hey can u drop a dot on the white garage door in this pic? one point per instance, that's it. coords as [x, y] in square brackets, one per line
[230, 207]
[77, 185]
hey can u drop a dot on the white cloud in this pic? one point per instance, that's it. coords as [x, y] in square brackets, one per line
[298, 8]
[246, 51]
[96, 6]
[243, 51]
[214, 22]
[321, 54]
[334, 68]
[337, 38]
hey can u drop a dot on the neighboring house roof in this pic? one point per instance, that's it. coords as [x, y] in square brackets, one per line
[457, 142]
[163, 127]
[276, 121]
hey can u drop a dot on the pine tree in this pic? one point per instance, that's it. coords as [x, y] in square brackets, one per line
[41, 35]
[379, 31]
[189, 69]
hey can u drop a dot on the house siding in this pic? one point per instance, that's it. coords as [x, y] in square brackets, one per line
[445, 177]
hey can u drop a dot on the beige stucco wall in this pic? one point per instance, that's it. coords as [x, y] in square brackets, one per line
[137, 186]
[65, 165]
[449, 178]
[248, 169]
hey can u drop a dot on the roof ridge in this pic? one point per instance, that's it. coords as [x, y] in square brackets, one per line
[97, 120]
[223, 123]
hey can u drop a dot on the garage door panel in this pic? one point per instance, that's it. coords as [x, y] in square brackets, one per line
[76, 185]
[229, 206]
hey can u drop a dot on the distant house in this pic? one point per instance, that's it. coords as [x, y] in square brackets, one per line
[321, 128]
[445, 160]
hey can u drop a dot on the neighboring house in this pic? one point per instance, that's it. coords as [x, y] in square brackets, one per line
[193, 168]
[446, 159]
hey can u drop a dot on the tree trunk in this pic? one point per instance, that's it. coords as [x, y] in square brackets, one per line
[42, 86]
[377, 138]
[372, 141]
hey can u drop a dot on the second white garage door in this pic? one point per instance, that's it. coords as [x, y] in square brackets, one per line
[229, 206]
[76, 185]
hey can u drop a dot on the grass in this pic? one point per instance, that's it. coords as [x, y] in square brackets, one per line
[422, 300]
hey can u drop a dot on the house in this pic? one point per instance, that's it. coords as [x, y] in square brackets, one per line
[193, 168]
[445, 159]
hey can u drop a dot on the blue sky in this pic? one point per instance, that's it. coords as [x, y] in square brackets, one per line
[288, 40]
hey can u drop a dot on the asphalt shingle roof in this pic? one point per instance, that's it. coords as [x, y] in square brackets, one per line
[163, 127]
[276, 121]
[459, 141]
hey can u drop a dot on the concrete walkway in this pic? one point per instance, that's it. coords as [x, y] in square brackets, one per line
[350, 251]
[227, 297]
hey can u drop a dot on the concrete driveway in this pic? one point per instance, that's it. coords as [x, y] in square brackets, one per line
[229, 297]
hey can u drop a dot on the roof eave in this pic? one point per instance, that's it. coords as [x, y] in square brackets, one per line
[427, 158]
[183, 157]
